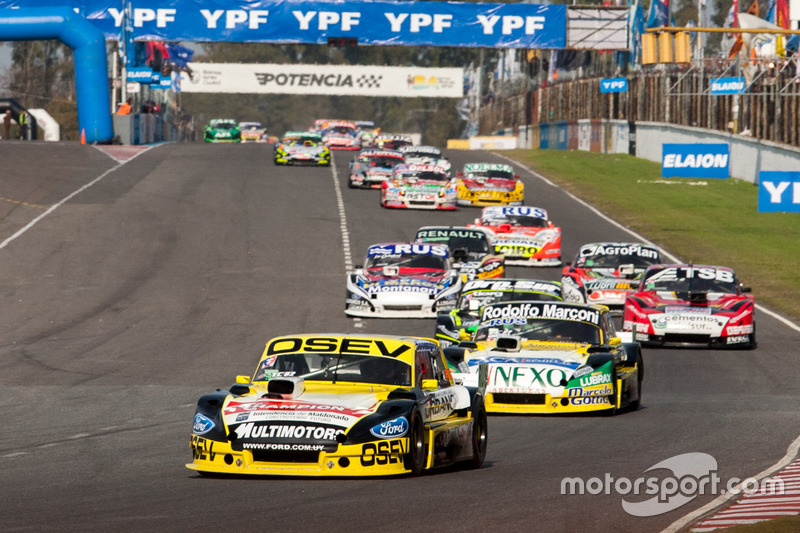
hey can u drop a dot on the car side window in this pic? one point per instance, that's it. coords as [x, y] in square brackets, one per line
[607, 326]
[425, 368]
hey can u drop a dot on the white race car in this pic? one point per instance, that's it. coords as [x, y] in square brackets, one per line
[403, 280]
[424, 155]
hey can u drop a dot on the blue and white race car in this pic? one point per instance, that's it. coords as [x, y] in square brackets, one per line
[403, 280]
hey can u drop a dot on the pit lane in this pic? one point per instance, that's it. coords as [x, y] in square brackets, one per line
[164, 279]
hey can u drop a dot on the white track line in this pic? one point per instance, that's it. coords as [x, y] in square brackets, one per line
[794, 447]
[348, 257]
[64, 200]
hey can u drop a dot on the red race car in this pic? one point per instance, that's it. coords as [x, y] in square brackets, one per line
[691, 304]
[525, 235]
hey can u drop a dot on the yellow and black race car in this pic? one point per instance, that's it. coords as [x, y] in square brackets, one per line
[550, 358]
[341, 405]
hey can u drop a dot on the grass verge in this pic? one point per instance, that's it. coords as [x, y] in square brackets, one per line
[708, 221]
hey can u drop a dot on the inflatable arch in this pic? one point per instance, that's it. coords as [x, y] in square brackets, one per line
[89, 52]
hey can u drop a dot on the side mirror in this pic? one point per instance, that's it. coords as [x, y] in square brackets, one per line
[430, 384]
[242, 379]
[745, 289]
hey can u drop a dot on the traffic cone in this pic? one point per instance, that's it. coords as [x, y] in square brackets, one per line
[83, 136]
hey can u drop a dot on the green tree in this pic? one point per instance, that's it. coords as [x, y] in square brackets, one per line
[42, 75]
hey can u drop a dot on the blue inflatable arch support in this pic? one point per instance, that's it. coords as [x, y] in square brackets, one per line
[89, 52]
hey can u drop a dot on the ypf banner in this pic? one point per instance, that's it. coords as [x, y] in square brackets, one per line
[324, 79]
[778, 191]
[476, 24]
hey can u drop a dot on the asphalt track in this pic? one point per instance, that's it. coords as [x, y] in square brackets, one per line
[163, 278]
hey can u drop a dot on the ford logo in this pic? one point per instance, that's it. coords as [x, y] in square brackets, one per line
[391, 428]
[202, 424]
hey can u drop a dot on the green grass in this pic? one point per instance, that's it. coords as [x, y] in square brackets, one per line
[711, 221]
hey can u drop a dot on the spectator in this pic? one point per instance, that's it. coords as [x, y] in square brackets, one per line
[124, 108]
[24, 122]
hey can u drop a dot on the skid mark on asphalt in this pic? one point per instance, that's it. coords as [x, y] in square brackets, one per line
[348, 256]
[780, 497]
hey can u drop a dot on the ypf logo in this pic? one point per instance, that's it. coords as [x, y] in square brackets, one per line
[614, 85]
[778, 192]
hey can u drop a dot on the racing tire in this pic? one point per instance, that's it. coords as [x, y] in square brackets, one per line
[480, 433]
[613, 410]
[634, 405]
[417, 451]
[752, 344]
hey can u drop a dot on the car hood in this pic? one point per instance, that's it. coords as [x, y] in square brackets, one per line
[707, 302]
[423, 184]
[334, 409]
[421, 285]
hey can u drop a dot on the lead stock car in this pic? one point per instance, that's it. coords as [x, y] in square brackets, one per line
[403, 280]
[550, 358]
[691, 304]
[341, 405]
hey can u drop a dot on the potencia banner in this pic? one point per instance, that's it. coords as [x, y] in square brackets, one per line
[258, 78]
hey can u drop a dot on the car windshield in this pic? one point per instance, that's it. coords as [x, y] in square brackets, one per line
[472, 301]
[342, 130]
[472, 246]
[613, 261]
[225, 125]
[422, 175]
[676, 280]
[491, 174]
[392, 144]
[301, 140]
[336, 367]
[251, 126]
[542, 330]
[517, 221]
[406, 264]
[380, 160]
[422, 153]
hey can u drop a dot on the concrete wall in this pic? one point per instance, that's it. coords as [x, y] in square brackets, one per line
[748, 156]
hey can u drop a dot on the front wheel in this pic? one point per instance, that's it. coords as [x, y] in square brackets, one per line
[480, 433]
[417, 451]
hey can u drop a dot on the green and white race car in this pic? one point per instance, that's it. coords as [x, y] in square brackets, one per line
[223, 130]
